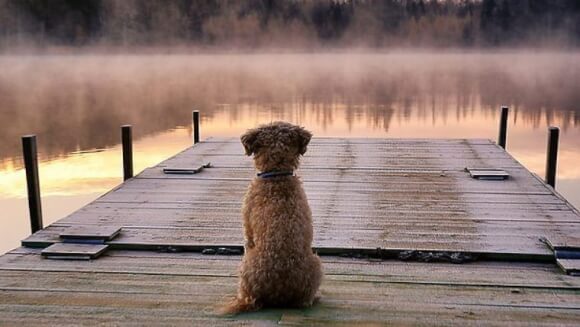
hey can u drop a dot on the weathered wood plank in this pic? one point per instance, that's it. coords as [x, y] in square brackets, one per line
[508, 274]
[370, 140]
[364, 304]
[455, 294]
[234, 190]
[418, 189]
[318, 201]
[389, 183]
[85, 315]
[175, 288]
[195, 238]
[149, 215]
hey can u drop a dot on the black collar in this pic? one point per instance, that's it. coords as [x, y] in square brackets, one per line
[270, 174]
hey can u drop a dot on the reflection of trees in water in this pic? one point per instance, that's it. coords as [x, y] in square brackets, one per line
[78, 103]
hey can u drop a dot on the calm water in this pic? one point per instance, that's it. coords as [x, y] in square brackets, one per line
[75, 104]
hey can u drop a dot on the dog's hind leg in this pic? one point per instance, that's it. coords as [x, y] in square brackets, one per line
[312, 293]
[238, 305]
[245, 300]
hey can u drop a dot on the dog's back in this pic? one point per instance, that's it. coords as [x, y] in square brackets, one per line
[279, 216]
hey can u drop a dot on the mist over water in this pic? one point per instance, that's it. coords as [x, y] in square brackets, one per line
[76, 104]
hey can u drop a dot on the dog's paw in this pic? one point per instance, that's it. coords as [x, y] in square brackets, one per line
[316, 299]
[311, 302]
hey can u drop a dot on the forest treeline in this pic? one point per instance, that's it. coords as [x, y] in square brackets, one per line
[289, 23]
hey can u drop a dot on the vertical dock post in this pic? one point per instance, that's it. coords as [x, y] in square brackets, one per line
[32, 181]
[503, 127]
[127, 151]
[552, 155]
[195, 126]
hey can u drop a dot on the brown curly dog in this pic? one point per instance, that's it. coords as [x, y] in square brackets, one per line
[279, 268]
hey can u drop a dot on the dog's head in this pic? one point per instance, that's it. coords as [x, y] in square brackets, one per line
[276, 146]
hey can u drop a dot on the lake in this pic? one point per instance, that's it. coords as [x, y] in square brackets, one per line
[75, 104]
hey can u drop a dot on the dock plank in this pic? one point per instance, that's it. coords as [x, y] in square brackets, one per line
[185, 288]
[150, 237]
[484, 273]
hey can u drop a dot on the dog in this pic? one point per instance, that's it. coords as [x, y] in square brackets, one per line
[279, 268]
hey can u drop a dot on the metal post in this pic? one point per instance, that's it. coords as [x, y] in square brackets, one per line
[503, 127]
[127, 152]
[195, 126]
[32, 181]
[552, 160]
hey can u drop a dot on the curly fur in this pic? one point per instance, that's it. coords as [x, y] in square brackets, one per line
[279, 268]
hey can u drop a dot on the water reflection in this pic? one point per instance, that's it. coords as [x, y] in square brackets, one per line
[69, 182]
[76, 104]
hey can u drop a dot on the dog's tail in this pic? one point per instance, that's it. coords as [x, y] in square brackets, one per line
[238, 305]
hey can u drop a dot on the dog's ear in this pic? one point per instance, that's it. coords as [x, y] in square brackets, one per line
[303, 137]
[250, 141]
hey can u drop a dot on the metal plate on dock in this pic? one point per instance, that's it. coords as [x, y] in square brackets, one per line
[185, 170]
[491, 174]
[90, 234]
[72, 251]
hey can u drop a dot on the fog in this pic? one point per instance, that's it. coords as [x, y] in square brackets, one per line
[78, 102]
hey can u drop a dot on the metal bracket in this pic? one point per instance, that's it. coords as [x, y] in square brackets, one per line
[490, 174]
[186, 171]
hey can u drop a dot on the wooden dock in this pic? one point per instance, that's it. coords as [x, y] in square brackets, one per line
[374, 202]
